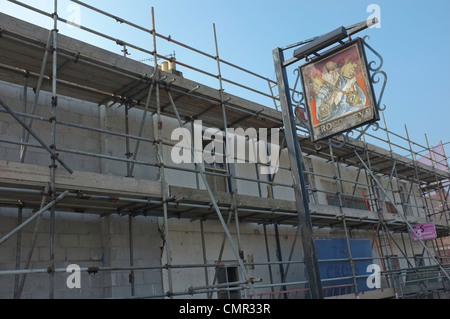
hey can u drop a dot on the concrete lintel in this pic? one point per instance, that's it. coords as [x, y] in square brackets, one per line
[19, 175]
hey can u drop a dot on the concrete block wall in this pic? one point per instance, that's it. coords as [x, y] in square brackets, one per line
[73, 138]
[147, 245]
[113, 118]
[175, 176]
[77, 241]
[87, 241]
[90, 240]
[283, 176]
[248, 170]
[186, 247]
[72, 110]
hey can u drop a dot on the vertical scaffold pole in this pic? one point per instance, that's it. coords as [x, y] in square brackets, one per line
[160, 156]
[53, 147]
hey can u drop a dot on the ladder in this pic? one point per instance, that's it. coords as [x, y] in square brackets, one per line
[384, 246]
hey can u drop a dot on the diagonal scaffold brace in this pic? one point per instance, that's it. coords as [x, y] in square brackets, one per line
[52, 152]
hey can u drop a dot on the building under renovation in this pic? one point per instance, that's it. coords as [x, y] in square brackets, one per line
[99, 198]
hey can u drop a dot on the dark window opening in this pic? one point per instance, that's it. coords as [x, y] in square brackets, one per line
[225, 275]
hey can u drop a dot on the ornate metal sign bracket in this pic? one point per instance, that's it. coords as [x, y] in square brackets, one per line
[377, 76]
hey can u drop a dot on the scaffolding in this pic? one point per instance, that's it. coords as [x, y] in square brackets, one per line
[398, 185]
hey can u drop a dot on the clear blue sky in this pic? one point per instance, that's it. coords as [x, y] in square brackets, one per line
[413, 37]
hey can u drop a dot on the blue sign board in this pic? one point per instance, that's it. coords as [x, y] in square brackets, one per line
[328, 250]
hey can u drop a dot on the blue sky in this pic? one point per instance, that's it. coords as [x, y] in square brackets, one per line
[413, 38]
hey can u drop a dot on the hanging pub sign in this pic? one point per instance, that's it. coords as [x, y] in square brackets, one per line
[338, 91]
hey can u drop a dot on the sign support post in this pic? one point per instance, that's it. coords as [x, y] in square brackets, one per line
[301, 196]
[293, 145]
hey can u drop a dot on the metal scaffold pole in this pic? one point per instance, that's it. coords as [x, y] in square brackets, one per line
[160, 156]
[53, 146]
